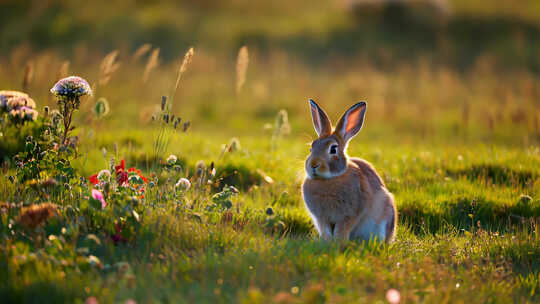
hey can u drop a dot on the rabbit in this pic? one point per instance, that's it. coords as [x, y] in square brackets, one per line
[345, 196]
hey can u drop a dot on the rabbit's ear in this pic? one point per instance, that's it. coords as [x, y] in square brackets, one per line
[320, 119]
[351, 122]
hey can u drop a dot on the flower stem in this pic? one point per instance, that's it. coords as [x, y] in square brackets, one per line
[67, 113]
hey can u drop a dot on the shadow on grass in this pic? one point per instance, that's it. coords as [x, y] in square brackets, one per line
[40, 292]
[496, 174]
[237, 175]
[151, 161]
[466, 213]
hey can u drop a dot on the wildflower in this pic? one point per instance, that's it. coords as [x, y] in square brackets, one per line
[393, 296]
[6, 96]
[121, 174]
[120, 167]
[20, 101]
[138, 174]
[71, 88]
[91, 300]
[183, 184]
[171, 160]
[98, 196]
[29, 114]
[104, 175]
[19, 106]
[186, 126]
[23, 114]
[212, 170]
[68, 92]
[163, 102]
[94, 179]
[36, 215]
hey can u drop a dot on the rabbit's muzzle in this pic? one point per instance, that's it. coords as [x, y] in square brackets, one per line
[316, 168]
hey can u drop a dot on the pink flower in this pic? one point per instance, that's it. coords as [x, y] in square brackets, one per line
[183, 184]
[393, 296]
[98, 196]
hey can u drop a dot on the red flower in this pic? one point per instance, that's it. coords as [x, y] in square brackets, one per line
[122, 178]
[121, 167]
[139, 173]
[93, 179]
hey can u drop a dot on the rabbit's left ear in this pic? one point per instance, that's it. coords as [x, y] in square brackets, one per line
[351, 122]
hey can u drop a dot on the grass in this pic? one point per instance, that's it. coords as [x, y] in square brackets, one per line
[464, 235]
[457, 144]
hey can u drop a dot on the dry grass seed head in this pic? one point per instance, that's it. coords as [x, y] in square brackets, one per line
[152, 63]
[183, 67]
[241, 68]
[141, 51]
[108, 66]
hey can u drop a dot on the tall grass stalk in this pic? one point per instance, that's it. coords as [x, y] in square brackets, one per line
[241, 68]
[163, 137]
[183, 67]
[141, 51]
[109, 65]
[152, 63]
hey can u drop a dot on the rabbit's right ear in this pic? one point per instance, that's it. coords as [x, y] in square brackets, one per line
[320, 120]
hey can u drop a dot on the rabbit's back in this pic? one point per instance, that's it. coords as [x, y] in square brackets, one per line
[368, 172]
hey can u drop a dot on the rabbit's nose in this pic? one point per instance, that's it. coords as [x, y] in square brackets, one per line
[315, 165]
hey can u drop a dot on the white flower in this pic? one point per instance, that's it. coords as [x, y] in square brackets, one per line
[183, 184]
[171, 160]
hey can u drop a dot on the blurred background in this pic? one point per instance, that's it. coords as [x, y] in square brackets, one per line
[435, 70]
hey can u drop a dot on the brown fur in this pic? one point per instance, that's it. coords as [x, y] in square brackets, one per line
[345, 196]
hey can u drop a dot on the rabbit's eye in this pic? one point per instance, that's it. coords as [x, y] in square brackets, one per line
[333, 149]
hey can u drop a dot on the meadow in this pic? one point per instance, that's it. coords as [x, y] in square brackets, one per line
[456, 141]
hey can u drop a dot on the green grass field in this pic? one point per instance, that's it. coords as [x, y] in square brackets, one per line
[455, 138]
